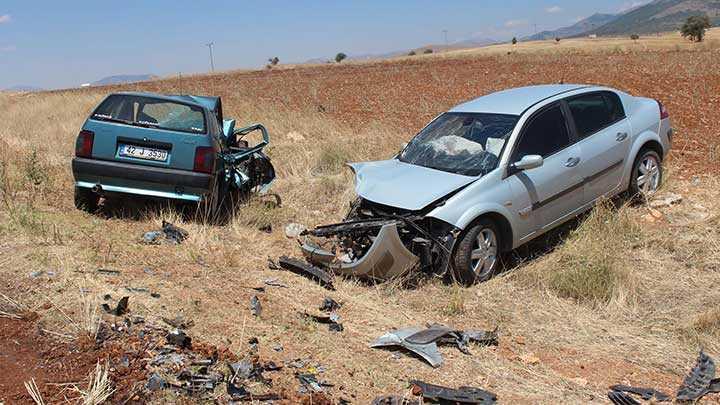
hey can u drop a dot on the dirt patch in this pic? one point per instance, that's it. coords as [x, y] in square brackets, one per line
[26, 352]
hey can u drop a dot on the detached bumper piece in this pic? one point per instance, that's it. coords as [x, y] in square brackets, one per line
[386, 258]
[700, 381]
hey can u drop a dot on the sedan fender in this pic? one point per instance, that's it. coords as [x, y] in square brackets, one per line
[640, 141]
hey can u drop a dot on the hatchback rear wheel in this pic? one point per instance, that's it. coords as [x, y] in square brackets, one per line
[477, 257]
[86, 199]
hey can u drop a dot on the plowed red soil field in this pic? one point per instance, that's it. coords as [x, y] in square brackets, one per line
[407, 93]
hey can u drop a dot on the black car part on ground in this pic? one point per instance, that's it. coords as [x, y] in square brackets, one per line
[699, 381]
[329, 305]
[646, 393]
[621, 398]
[121, 308]
[461, 395]
[307, 270]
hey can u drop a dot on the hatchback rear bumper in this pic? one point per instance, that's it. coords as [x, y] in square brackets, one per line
[118, 177]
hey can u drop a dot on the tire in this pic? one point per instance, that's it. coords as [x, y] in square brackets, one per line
[640, 185]
[468, 270]
[86, 200]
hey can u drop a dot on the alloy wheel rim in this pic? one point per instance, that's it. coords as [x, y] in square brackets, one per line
[648, 176]
[484, 253]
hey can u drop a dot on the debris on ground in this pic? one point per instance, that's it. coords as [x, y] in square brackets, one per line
[332, 320]
[700, 381]
[621, 398]
[424, 342]
[665, 200]
[169, 233]
[309, 383]
[428, 351]
[108, 272]
[443, 334]
[179, 322]
[120, 309]
[179, 338]
[267, 228]
[329, 305]
[275, 282]
[646, 393]
[394, 400]
[255, 307]
[461, 395]
[294, 230]
[307, 270]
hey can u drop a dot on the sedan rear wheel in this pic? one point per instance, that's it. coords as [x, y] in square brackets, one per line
[647, 174]
[477, 254]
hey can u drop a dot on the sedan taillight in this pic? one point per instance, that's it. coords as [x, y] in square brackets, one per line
[204, 159]
[663, 111]
[84, 144]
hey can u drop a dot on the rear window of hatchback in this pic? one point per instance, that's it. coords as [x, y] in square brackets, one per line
[151, 112]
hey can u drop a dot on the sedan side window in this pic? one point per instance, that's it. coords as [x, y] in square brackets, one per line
[545, 135]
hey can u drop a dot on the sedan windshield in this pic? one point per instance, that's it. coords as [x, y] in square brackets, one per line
[469, 144]
[151, 112]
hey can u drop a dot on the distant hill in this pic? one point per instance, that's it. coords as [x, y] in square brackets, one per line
[24, 88]
[581, 27]
[659, 16]
[121, 79]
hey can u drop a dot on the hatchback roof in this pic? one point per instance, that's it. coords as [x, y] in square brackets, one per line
[514, 101]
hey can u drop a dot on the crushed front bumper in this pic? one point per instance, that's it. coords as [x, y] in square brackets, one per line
[387, 258]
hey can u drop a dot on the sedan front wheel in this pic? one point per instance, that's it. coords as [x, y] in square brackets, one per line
[477, 256]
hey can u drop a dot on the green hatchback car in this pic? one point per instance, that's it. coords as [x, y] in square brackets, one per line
[176, 147]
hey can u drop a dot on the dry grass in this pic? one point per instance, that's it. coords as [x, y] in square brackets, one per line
[34, 392]
[623, 299]
[99, 387]
[591, 267]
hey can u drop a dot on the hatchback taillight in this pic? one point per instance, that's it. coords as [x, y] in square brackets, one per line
[84, 144]
[663, 111]
[204, 159]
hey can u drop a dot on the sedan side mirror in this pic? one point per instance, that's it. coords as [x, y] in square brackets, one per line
[527, 162]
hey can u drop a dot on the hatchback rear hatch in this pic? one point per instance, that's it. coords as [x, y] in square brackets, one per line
[148, 130]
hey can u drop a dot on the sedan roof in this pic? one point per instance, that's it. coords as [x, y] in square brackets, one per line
[514, 101]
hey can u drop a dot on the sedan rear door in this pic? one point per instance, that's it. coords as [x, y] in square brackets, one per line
[604, 134]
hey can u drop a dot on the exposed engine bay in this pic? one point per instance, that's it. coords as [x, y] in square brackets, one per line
[380, 243]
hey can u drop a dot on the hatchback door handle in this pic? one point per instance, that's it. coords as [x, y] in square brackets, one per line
[621, 136]
[572, 162]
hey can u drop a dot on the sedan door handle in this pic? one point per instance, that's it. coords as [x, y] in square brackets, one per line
[572, 162]
[621, 136]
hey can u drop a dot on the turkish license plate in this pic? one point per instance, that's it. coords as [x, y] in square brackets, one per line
[142, 152]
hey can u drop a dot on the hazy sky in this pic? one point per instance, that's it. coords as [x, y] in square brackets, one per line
[54, 44]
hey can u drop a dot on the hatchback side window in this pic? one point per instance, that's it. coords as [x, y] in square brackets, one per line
[544, 135]
[591, 113]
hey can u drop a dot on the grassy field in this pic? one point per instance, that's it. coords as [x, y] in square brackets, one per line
[628, 295]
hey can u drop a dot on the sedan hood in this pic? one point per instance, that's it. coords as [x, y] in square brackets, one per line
[402, 185]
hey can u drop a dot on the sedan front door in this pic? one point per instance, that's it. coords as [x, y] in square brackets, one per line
[550, 193]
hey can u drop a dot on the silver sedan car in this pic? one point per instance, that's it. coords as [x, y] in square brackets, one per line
[492, 174]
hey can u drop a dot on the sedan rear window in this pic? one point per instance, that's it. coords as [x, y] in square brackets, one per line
[151, 112]
[469, 144]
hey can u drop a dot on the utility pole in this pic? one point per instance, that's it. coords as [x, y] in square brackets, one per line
[212, 61]
[445, 32]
